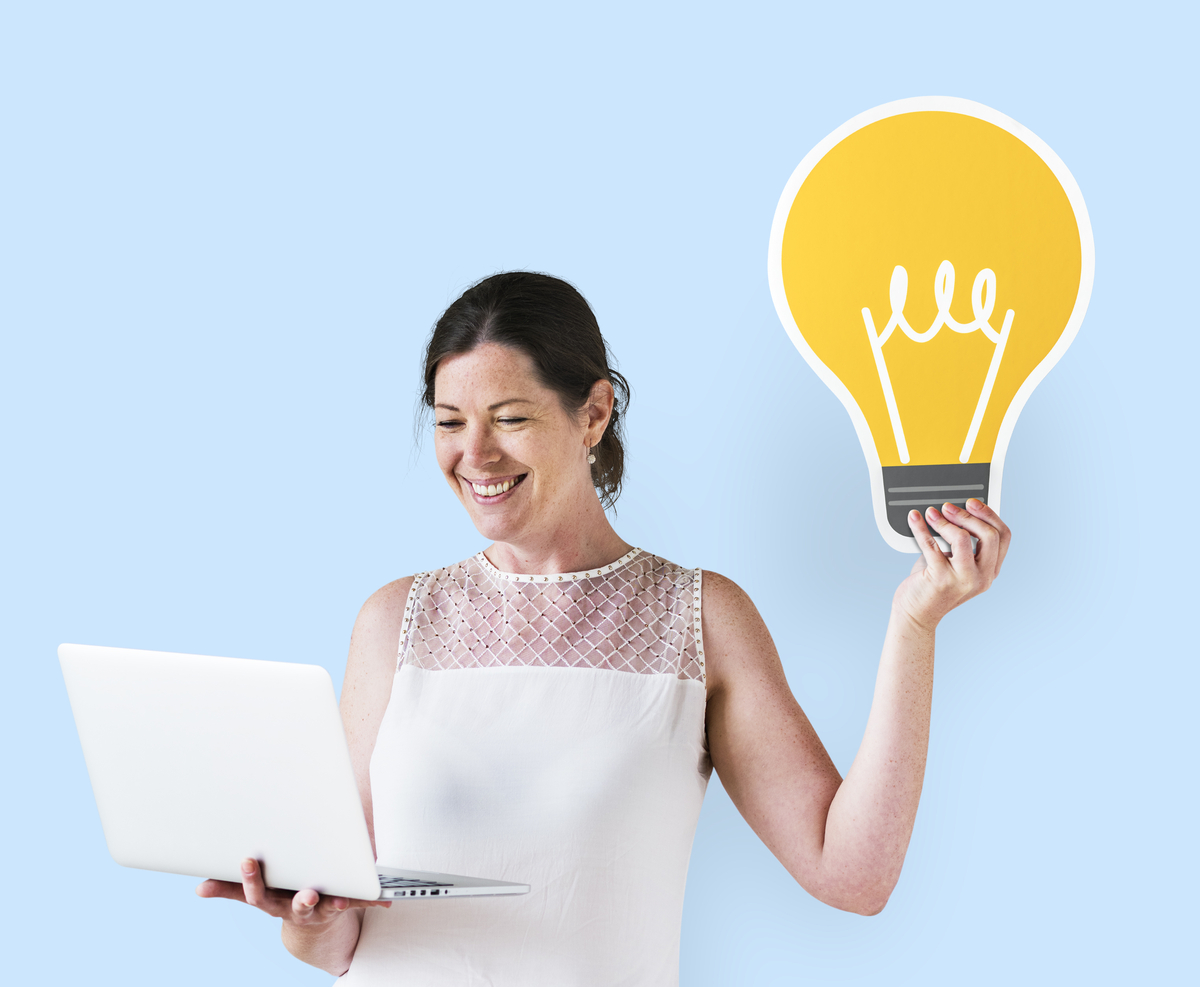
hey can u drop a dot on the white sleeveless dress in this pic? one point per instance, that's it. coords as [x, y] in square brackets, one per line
[547, 730]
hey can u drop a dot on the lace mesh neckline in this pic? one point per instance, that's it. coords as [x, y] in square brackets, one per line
[558, 577]
[638, 614]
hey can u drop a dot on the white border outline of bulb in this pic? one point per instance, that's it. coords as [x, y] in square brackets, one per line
[943, 293]
[1087, 273]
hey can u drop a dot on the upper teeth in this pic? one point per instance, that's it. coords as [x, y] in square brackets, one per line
[492, 489]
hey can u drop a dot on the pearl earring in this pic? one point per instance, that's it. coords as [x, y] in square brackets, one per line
[591, 457]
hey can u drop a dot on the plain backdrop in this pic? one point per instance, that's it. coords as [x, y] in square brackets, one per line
[225, 231]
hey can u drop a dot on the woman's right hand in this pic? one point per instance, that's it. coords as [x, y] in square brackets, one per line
[305, 909]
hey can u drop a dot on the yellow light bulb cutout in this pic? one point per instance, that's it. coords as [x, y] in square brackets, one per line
[983, 297]
[871, 235]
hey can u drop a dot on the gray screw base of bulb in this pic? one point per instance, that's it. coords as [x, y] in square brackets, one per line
[909, 488]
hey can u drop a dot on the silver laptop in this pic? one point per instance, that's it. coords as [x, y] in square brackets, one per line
[198, 763]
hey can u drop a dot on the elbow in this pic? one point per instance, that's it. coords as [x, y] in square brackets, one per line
[860, 887]
[861, 899]
[869, 906]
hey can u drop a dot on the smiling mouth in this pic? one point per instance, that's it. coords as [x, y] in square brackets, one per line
[490, 492]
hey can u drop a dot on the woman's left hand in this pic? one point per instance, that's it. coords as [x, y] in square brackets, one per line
[938, 583]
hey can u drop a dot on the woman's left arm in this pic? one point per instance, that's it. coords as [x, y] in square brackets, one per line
[843, 840]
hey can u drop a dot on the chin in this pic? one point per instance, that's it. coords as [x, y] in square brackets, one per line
[494, 528]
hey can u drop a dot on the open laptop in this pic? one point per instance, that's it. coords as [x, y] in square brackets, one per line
[198, 763]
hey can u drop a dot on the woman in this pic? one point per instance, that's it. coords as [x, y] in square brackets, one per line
[549, 711]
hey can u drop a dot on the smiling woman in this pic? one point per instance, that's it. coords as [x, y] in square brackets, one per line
[550, 710]
[551, 323]
[516, 458]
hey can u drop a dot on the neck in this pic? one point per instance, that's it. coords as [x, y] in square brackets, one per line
[583, 541]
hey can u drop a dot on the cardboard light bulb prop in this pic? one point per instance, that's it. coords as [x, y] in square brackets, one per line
[931, 259]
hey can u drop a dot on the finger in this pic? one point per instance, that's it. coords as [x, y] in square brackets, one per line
[988, 552]
[361, 903]
[309, 907]
[221, 889]
[332, 905]
[934, 558]
[962, 558]
[981, 510]
[305, 905]
[252, 883]
[259, 895]
[237, 892]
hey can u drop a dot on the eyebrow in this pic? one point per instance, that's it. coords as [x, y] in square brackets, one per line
[491, 407]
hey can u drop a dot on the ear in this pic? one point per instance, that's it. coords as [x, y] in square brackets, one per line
[599, 409]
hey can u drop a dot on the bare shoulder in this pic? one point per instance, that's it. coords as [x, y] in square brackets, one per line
[372, 658]
[384, 610]
[736, 641]
[377, 627]
[723, 597]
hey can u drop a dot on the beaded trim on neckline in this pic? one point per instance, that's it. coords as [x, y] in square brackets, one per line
[558, 577]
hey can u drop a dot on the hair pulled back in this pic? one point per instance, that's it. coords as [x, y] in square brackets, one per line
[550, 322]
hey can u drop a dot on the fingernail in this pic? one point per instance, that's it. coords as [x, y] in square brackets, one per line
[913, 515]
[948, 508]
[974, 502]
[247, 866]
[934, 513]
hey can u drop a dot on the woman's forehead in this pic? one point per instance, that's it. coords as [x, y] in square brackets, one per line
[479, 374]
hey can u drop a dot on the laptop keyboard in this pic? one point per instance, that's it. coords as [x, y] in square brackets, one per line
[407, 882]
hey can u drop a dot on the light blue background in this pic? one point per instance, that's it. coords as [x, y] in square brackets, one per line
[224, 233]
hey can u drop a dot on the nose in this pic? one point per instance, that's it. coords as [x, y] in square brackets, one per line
[481, 450]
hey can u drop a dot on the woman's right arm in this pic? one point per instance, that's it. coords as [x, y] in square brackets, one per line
[323, 931]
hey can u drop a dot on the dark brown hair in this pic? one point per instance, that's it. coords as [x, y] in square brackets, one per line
[550, 322]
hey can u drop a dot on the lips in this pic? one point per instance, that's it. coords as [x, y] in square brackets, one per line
[492, 490]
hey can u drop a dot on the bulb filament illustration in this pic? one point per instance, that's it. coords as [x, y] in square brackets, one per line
[983, 301]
